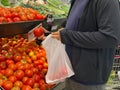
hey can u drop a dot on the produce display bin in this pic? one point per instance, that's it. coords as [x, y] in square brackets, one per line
[10, 29]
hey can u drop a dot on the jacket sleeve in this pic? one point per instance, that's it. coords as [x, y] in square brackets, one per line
[108, 34]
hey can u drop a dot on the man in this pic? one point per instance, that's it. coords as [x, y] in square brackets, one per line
[91, 35]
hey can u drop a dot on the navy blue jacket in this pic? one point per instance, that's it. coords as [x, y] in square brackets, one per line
[93, 44]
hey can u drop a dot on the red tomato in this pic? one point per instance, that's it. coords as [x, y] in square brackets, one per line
[3, 65]
[1, 82]
[9, 55]
[16, 19]
[43, 58]
[17, 58]
[28, 50]
[36, 77]
[29, 73]
[23, 61]
[31, 65]
[39, 16]
[32, 11]
[44, 16]
[18, 84]
[30, 16]
[23, 17]
[45, 65]
[30, 82]
[22, 67]
[44, 70]
[42, 53]
[9, 20]
[12, 66]
[2, 72]
[36, 85]
[64, 71]
[4, 78]
[38, 55]
[41, 82]
[5, 14]
[11, 50]
[1, 75]
[9, 61]
[19, 74]
[27, 66]
[3, 52]
[12, 79]
[24, 80]
[2, 20]
[15, 88]
[18, 64]
[8, 72]
[34, 57]
[40, 67]
[26, 87]
[7, 85]
[14, 14]
[42, 76]
[41, 62]
[36, 62]
[2, 58]
[29, 60]
[19, 8]
[38, 32]
[35, 70]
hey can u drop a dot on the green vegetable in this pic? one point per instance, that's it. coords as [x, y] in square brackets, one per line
[5, 2]
[55, 7]
[111, 77]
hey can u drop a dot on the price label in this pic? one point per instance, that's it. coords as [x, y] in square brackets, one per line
[31, 35]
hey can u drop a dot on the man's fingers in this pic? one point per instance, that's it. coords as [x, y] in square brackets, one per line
[60, 29]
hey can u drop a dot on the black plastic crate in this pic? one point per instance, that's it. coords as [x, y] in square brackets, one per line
[10, 29]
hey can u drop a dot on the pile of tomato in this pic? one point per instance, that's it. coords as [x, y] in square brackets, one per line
[17, 14]
[23, 65]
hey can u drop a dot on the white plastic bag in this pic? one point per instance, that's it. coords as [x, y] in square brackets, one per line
[59, 66]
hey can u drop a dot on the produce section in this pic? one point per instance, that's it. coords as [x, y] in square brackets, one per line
[21, 20]
[56, 7]
[23, 63]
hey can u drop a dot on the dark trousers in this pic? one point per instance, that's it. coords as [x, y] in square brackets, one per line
[72, 85]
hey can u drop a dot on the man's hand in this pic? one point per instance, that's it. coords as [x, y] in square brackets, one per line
[57, 34]
[42, 37]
